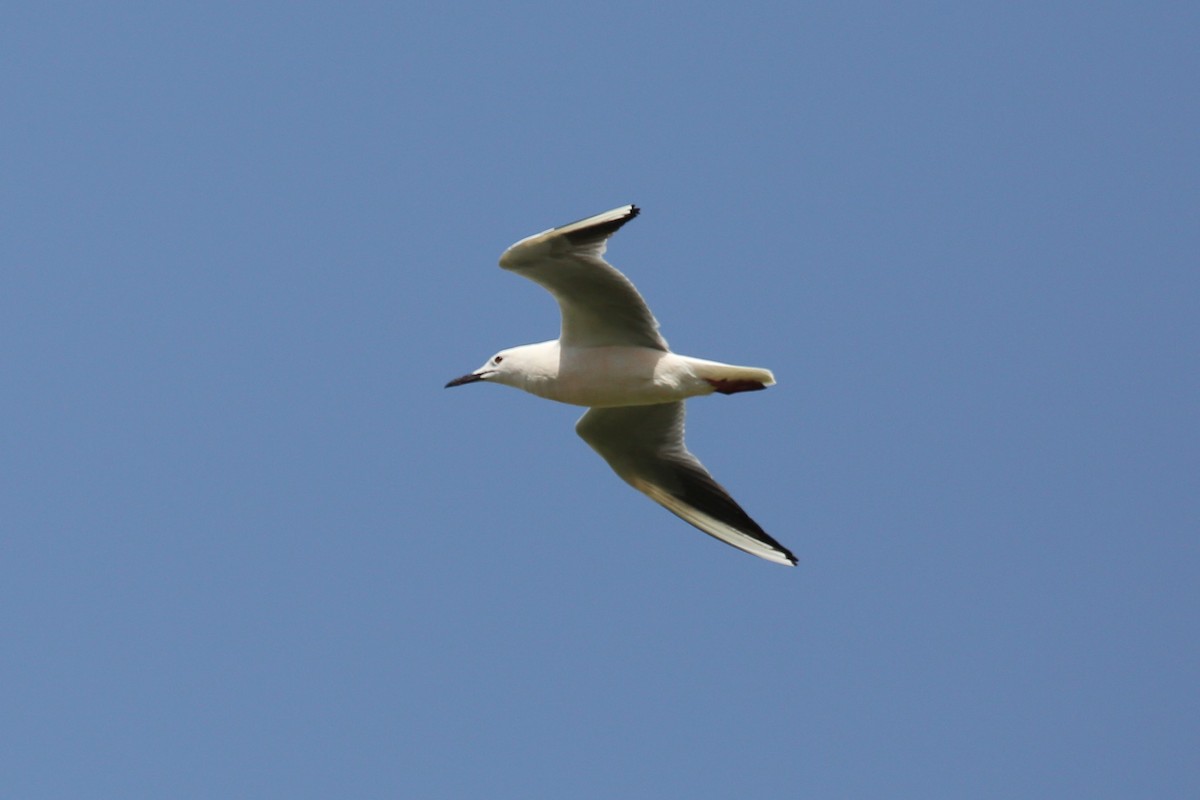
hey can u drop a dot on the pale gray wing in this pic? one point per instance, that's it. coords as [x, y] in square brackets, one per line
[600, 306]
[644, 446]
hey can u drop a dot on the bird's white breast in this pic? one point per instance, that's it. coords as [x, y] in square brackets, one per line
[619, 376]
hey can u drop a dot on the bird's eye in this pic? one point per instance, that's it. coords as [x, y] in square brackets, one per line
[497, 359]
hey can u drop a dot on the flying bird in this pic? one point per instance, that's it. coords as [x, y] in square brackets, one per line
[611, 358]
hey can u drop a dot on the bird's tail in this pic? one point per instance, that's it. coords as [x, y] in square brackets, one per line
[730, 379]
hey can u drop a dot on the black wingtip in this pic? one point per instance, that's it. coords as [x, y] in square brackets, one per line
[598, 230]
[698, 489]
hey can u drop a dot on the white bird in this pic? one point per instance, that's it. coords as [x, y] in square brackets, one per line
[611, 358]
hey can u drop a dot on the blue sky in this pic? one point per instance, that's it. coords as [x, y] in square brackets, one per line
[251, 547]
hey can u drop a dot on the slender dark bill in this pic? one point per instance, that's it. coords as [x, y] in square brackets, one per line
[469, 378]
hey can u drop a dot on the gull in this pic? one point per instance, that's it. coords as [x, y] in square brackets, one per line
[611, 358]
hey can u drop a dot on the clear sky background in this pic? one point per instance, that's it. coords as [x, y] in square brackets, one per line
[252, 548]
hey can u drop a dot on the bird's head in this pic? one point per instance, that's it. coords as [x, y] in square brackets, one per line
[510, 367]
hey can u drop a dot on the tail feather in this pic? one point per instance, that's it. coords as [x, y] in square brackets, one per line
[729, 379]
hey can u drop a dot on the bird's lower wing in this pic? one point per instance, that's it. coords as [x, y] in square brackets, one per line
[644, 446]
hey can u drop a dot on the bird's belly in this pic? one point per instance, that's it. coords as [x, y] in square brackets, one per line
[619, 376]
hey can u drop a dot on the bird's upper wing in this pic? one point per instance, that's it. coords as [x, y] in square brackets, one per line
[644, 446]
[600, 306]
